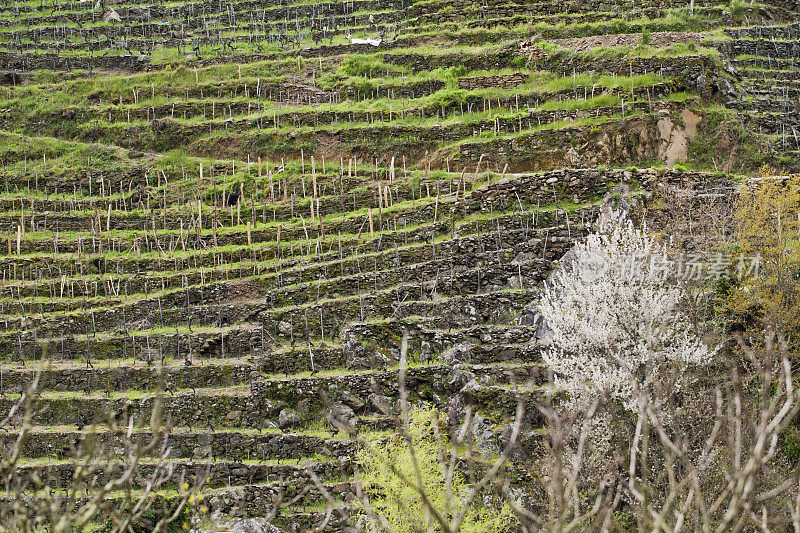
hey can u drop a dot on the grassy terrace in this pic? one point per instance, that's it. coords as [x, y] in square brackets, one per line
[234, 207]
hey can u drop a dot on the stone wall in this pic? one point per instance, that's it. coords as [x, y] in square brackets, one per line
[13, 78]
[779, 124]
[168, 131]
[136, 377]
[27, 62]
[687, 69]
[256, 500]
[788, 5]
[583, 184]
[197, 444]
[455, 11]
[489, 61]
[761, 47]
[411, 90]
[214, 475]
[490, 82]
[789, 31]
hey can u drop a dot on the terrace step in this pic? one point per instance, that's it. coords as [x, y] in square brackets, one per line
[781, 32]
[787, 78]
[232, 444]
[180, 288]
[116, 376]
[267, 309]
[218, 473]
[257, 405]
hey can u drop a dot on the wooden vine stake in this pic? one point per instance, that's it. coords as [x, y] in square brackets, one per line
[371, 226]
[271, 189]
[314, 176]
[239, 205]
[199, 203]
[477, 171]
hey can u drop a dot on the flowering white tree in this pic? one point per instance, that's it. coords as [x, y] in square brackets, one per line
[614, 323]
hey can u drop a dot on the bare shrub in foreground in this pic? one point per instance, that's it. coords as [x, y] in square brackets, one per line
[116, 478]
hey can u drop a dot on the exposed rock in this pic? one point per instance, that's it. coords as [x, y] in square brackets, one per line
[530, 313]
[456, 410]
[727, 90]
[674, 139]
[254, 525]
[703, 83]
[289, 418]
[484, 437]
[304, 406]
[459, 353]
[727, 17]
[610, 215]
[524, 257]
[381, 403]
[364, 356]
[516, 451]
[269, 424]
[351, 400]
[201, 452]
[471, 387]
[425, 351]
[111, 15]
[458, 378]
[341, 417]
[690, 122]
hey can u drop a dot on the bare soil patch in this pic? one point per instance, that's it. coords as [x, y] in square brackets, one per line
[658, 39]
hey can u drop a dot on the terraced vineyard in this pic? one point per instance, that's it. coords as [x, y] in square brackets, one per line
[243, 207]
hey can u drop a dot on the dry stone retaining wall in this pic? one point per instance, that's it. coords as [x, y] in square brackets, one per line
[762, 47]
[28, 62]
[687, 69]
[490, 82]
[418, 62]
[581, 183]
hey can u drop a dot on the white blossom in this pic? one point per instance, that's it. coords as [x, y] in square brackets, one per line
[614, 320]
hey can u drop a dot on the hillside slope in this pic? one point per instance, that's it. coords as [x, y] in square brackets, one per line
[249, 204]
